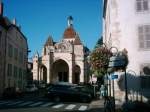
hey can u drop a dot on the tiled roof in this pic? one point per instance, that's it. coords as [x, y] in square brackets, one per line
[69, 33]
[4, 21]
[77, 40]
[6, 24]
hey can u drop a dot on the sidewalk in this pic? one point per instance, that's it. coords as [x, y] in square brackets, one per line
[97, 105]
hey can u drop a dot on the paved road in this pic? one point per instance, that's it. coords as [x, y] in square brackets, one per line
[38, 103]
[20, 103]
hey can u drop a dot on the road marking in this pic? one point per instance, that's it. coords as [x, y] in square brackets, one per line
[58, 106]
[70, 107]
[82, 108]
[47, 104]
[35, 104]
[26, 103]
[14, 103]
[5, 102]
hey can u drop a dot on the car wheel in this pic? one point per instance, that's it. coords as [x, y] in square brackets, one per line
[56, 99]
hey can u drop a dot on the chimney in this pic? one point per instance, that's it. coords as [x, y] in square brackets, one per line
[14, 21]
[1, 8]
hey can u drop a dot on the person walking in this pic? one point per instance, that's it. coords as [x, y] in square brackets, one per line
[103, 91]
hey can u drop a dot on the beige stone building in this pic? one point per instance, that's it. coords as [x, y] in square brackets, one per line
[13, 54]
[62, 61]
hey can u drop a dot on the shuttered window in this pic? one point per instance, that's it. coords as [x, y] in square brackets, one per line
[9, 70]
[142, 5]
[144, 36]
[10, 50]
[15, 71]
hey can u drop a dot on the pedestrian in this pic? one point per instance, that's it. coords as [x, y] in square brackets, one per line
[102, 91]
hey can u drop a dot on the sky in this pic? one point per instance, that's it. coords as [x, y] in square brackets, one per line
[40, 18]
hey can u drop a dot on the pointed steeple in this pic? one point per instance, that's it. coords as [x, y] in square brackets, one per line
[77, 40]
[49, 41]
[36, 55]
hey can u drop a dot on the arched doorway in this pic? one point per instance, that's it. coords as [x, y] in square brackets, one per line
[76, 75]
[60, 71]
[43, 74]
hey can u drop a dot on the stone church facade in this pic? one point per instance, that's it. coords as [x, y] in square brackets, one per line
[62, 61]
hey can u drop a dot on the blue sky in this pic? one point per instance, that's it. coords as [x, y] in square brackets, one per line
[40, 18]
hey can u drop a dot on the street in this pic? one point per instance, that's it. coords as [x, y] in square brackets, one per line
[36, 103]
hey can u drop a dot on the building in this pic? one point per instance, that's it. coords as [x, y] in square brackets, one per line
[13, 54]
[62, 61]
[126, 24]
[29, 76]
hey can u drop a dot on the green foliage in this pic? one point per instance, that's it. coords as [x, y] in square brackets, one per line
[99, 60]
[99, 43]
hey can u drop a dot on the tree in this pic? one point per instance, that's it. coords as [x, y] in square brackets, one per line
[99, 60]
[99, 43]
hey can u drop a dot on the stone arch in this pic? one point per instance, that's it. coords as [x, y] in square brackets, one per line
[43, 73]
[60, 71]
[61, 58]
[76, 75]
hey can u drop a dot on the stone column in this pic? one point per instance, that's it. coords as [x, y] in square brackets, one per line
[48, 74]
[41, 74]
[82, 73]
[70, 73]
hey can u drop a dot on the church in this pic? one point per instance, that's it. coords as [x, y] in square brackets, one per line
[64, 61]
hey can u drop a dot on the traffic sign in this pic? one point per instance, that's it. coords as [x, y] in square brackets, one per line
[114, 77]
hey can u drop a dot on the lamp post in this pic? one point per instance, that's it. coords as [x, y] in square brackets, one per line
[126, 88]
[114, 51]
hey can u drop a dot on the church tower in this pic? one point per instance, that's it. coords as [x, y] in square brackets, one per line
[64, 60]
[36, 66]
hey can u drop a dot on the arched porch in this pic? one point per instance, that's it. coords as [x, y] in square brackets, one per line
[60, 71]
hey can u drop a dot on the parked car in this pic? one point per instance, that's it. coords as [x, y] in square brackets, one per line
[67, 93]
[12, 92]
[86, 89]
[31, 88]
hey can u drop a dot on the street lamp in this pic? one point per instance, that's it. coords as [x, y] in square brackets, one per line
[120, 61]
[111, 65]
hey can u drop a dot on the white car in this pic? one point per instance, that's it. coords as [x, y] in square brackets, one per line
[31, 88]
